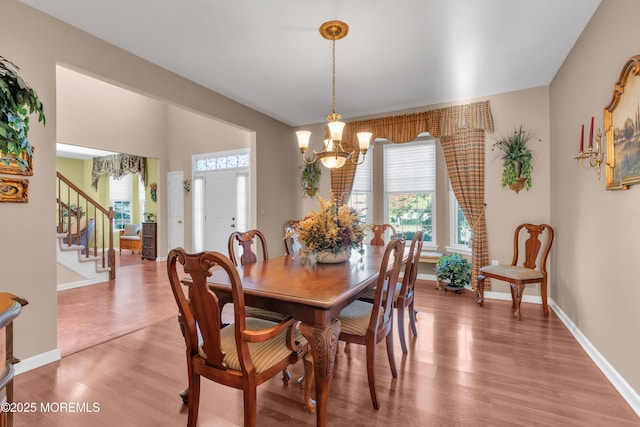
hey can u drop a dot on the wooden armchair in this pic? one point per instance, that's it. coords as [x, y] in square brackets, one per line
[241, 355]
[130, 238]
[522, 272]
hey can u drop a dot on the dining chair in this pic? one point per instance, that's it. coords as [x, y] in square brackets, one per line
[379, 231]
[291, 244]
[403, 298]
[523, 271]
[405, 288]
[244, 240]
[243, 354]
[368, 323]
[245, 243]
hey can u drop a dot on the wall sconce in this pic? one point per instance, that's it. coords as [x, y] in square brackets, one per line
[187, 185]
[593, 157]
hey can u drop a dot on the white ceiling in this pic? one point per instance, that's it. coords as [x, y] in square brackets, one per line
[399, 54]
[77, 152]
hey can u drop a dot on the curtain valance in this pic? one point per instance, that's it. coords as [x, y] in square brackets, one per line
[446, 121]
[117, 166]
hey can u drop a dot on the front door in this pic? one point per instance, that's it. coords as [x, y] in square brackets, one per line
[221, 206]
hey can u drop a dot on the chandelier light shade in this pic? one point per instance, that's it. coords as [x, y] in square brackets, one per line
[333, 155]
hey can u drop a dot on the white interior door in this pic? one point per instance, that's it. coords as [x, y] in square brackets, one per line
[221, 205]
[175, 209]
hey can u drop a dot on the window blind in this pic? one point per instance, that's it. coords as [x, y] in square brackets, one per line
[362, 183]
[120, 189]
[410, 167]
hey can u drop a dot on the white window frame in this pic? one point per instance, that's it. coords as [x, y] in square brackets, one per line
[454, 245]
[118, 193]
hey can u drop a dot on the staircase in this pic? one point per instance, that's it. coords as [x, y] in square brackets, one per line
[85, 235]
[88, 267]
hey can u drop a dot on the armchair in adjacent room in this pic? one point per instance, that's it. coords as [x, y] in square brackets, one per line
[131, 238]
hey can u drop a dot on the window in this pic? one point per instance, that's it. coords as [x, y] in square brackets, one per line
[221, 161]
[410, 188]
[459, 228]
[198, 213]
[361, 198]
[120, 195]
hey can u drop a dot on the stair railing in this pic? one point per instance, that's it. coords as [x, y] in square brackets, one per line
[74, 205]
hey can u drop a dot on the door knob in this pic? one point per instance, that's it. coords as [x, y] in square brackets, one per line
[179, 222]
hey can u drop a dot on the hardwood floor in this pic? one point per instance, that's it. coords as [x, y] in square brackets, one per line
[139, 297]
[469, 366]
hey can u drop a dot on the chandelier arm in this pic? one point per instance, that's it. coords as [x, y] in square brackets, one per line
[360, 158]
[313, 159]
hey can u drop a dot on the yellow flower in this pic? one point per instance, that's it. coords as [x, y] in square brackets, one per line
[330, 228]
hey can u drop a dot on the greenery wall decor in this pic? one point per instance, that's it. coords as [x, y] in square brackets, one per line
[17, 101]
[310, 179]
[516, 157]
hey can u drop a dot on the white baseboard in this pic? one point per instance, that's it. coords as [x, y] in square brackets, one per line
[79, 284]
[623, 387]
[37, 361]
[423, 276]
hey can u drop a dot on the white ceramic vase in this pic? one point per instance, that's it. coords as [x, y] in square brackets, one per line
[329, 257]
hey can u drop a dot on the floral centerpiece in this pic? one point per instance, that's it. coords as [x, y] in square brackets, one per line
[330, 230]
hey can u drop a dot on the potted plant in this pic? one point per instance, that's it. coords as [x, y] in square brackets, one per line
[310, 179]
[17, 101]
[516, 157]
[455, 269]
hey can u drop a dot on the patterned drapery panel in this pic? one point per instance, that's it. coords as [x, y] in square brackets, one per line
[464, 156]
[117, 166]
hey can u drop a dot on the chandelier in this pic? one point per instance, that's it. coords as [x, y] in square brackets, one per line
[333, 156]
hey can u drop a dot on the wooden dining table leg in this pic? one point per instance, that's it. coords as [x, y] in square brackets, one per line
[324, 345]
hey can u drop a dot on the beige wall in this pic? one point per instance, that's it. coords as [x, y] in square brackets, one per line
[49, 43]
[597, 253]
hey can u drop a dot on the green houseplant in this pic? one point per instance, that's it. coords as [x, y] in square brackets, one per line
[455, 269]
[310, 178]
[516, 157]
[17, 101]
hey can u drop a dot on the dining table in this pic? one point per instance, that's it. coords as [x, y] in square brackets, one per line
[312, 293]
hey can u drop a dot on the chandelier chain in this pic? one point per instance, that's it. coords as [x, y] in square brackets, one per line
[333, 79]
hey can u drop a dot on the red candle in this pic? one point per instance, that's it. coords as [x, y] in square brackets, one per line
[582, 140]
[591, 135]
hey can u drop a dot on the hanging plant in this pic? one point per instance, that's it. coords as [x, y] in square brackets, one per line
[516, 157]
[310, 179]
[17, 101]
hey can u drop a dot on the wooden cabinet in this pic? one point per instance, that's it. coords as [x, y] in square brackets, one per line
[149, 238]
